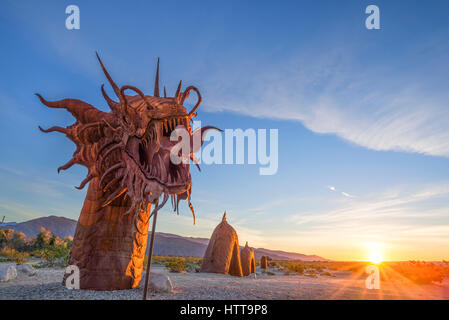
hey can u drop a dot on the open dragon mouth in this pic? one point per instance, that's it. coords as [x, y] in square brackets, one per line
[151, 154]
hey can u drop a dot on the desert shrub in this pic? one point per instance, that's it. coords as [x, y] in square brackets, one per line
[11, 254]
[193, 264]
[52, 250]
[5, 236]
[36, 253]
[295, 266]
[18, 241]
[56, 255]
[53, 239]
[353, 266]
[42, 239]
[192, 267]
[13, 239]
[68, 241]
[161, 260]
[194, 260]
[311, 272]
[178, 266]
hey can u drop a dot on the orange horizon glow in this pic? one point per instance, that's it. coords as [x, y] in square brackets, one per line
[375, 252]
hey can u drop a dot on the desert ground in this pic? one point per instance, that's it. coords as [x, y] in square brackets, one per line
[46, 284]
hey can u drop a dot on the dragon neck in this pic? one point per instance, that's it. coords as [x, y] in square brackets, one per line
[109, 246]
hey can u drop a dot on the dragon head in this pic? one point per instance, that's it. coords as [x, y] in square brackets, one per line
[128, 149]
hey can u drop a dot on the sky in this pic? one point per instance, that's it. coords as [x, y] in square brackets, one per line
[362, 115]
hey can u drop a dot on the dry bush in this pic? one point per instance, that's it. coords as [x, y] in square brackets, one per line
[177, 264]
[13, 255]
[292, 266]
[311, 272]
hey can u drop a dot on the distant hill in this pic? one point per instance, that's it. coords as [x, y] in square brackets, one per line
[174, 245]
[60, 226]
[166, 243]
[282, 255]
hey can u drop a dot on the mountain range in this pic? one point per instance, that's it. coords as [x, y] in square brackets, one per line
[165, 243]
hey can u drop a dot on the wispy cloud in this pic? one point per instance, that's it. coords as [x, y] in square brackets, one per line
[394, 215]
[28, 182]
[347, 194]
[19, 212]
[332, 93]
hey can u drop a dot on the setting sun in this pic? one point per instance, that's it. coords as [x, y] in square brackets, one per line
[375, 257]
[375, 253]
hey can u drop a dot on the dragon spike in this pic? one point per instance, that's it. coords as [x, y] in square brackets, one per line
[85, 181]
[81, 110]
[106, 73]
[112, 104]
[165, 93]
[178, 91]
[156, 83]
[67, 165]
[55, 128]
[224, 217]
[190, 204]
[186, 94]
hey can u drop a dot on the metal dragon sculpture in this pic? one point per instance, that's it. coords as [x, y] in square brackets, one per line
[127, 154]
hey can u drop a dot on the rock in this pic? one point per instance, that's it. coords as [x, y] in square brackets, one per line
[7, 273]
[252, 276]
[160, 282]
[26, 268]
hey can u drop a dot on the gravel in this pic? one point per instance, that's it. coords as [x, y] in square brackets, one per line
[46, 284]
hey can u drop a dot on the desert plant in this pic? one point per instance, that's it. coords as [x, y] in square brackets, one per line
[13, 255]
[42, 239]
[294, 266]
[5, 236]
[311, 272]
[191, 264]
[18, 241]
[178, 266]
[55, 256]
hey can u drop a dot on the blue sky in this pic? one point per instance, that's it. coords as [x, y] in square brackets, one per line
[363, 115]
